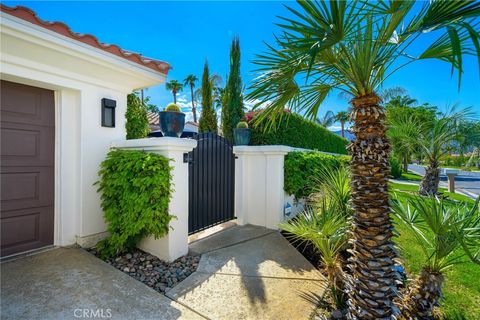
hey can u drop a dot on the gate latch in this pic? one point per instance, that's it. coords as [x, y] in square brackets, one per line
[187, 157]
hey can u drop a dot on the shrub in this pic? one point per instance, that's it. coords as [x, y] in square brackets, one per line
[457, 161]
[242, 125]
[295, 131]
[172, 107]
[303, 171]
[136, 191]
[136, 116]
[395, 168]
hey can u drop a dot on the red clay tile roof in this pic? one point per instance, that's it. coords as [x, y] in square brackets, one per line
[61, 28]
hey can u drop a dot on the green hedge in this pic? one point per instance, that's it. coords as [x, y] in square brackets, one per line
[135, 192]
[302, 171]
[295, 131]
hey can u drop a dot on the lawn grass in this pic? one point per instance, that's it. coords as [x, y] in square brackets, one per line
[411, 176]
[411, 189]
[462, 285]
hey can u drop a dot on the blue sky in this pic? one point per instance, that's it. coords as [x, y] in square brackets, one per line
[186, 33]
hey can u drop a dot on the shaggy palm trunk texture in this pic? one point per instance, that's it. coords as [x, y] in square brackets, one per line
[373, 283]
[423, 296]
[429, 184]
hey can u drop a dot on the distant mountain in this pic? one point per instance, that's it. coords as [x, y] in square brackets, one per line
[348, 135]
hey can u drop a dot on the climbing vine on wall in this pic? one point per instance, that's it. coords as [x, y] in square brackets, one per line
[135, 189]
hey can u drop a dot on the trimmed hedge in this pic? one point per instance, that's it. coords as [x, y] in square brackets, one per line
[295, 131]
[301, 171]
[135, 191]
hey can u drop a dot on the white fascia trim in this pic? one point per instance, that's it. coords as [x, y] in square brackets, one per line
[53, 40]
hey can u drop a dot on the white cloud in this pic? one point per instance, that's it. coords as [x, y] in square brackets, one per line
[334, 128]
[249, 104]
[338, 128]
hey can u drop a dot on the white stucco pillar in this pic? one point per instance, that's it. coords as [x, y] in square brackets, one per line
[175, 243]
[259, 193]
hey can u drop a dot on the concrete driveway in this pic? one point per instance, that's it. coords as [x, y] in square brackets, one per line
[468, 181]
[69, 283]
[245, 272]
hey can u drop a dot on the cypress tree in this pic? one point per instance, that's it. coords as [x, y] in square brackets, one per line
[208, 119]
[232, 111]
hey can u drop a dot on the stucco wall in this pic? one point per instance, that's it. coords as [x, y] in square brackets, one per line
[80, 77]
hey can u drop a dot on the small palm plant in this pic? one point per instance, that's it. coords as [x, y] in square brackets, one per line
[334, 188]
[446, 233]
[326, 230]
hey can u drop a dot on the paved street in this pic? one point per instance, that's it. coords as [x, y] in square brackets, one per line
[467, 181]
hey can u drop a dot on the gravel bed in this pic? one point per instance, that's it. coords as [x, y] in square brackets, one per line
[155, 273]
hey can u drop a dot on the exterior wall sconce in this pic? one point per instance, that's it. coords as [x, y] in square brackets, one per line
[108, 113]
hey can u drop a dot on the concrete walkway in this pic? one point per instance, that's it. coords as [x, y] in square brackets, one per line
[69, 283]
[249, 272]
[245, 273]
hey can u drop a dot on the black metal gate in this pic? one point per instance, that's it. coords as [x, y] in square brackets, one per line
[211, 182]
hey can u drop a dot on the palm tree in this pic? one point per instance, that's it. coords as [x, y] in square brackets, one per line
[342, 117]
[190, 81]
[432, 138]
[445, 233]
[175, 87]
[402, 101]
[327, 120]
[354, 47]
[474, 159]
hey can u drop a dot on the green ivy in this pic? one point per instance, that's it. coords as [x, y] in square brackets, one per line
[302, 169]
[135, 191]
[295, 131]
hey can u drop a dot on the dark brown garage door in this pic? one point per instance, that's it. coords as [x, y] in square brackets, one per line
[27, 126]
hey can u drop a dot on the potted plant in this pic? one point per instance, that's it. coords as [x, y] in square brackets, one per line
[172, 121]
[242, 134]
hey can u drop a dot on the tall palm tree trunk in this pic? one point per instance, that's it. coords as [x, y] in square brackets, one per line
[194, 110]
[405, 164]
[372, 286]
[174, 96]
[424, 294]
[343, 128]
[431, 179]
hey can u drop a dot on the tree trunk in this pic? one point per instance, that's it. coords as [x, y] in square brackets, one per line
[343, 128]
[174, 96]
[372, 287]
[431, 179]
[424, 294]
[405, 164]
[194, 110]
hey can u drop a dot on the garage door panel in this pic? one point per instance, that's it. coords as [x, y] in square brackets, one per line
[26, 187]
[25, 230]
[25, 104]
[27, 129]
[26, 145]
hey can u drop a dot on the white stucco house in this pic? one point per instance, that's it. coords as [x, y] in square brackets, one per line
[55, 86]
